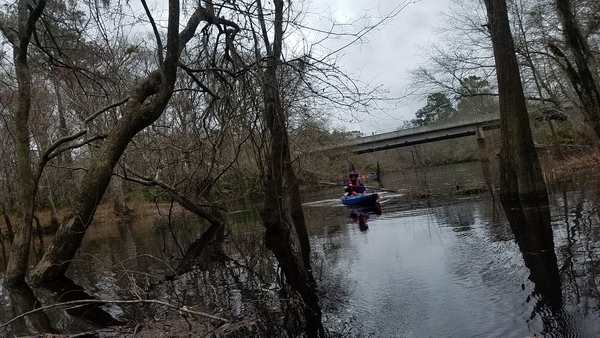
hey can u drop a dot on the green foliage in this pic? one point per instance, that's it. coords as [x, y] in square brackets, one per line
[475, 97]
[451, 158]
[132, 49]
[565, 133]
[438, 107]
[371, 167]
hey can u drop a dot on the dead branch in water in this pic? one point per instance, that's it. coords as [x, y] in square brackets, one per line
[82, 302]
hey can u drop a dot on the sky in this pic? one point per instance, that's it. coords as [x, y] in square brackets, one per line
[387, 55]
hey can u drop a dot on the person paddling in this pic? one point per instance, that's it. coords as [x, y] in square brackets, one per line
[353, 186]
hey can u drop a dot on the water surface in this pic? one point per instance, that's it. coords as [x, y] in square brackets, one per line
[448, 267]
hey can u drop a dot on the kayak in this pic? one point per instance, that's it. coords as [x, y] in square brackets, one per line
[361, 199]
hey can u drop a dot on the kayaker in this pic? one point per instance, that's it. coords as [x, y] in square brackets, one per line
[353, 186]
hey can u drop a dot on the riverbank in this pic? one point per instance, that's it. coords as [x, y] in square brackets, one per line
[422, 186]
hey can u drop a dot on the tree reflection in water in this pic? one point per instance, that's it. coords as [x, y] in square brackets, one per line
[531, 225]
[233, 273]
[23, 300]
[80, 317]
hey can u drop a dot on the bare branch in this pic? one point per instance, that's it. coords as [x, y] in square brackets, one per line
[197, 81]
[159, 46]
[94, 115]
[76, 145]
[82, 302]
[58, 143]
[181, 199]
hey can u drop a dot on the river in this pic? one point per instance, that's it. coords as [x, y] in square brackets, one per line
[441, 267]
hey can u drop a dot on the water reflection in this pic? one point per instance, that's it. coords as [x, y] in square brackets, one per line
[530, 222]
[73, 316]
[90, 315]
[226, 271]
[24, 300]
[361, 214]
[450, 269]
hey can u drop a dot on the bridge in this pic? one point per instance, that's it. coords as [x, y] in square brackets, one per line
[474, 125]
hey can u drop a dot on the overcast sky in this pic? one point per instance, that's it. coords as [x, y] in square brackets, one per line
[388, 54]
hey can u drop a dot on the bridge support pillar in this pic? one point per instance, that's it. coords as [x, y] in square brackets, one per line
[485, 160]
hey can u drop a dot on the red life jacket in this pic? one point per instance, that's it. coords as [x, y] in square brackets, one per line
[354, 185]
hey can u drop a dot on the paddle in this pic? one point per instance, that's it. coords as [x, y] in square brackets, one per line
[366, 187]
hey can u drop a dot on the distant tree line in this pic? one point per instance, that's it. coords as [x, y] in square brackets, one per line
[556, 45]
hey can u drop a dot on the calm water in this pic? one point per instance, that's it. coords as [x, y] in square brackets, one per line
[455, 271]
[448, 269]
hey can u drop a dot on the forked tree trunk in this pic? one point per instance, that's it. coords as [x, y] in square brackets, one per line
[70, 233]
[520, 172]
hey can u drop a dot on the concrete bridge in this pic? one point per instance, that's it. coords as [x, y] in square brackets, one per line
[467, 126]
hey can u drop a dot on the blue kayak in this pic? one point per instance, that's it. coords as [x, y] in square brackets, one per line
[364, 199]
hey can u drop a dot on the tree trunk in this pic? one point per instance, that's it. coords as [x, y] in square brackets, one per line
[16, 268]
[520, 172]
[281, 186]
[531, 225]
[53, 226]
[120, 207]
[23, 300]
[9, 227]
[583, 77]
[67, 239]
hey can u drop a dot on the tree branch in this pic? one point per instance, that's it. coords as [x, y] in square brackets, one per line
[58, 143]
[197, 81]
[159, 46]
[182, 200]
[94, 115]
[82, 302]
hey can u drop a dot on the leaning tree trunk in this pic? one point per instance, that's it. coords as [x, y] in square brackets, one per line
[157, 90]
[520, 172]
[17, 264]
[292, 249]
[70, 233]
[583, 76]
[137, 115]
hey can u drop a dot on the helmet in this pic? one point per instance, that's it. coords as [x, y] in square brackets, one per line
[352, 174]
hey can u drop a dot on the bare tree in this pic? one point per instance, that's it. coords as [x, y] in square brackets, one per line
[145, 103]
[520, 172]
[282, 204]
[583, 75]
